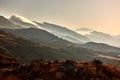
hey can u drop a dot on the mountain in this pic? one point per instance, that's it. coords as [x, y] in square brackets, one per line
[104, 38]
[64, 33]
[5, 23]
[69, 50]
[29, 61]
[47, 46]
[101, 47]
[83, 31]
[33, 33]
[39, 36]
[25, 50]
[99, 37]
[26, 23]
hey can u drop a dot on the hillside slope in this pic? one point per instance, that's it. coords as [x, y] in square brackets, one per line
[39, 36]
[26, 50]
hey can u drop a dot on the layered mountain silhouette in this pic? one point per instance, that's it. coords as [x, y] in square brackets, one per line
[39, 36]
[64, 33]
[26, 23]
[51, 41]
[17, 26]
[104, 38]
[59, 31]
[101, 47]
[25, 51]
[5, 23]
[100, 37]
[83, 29]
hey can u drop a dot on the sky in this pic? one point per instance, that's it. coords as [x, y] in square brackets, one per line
[100, 15]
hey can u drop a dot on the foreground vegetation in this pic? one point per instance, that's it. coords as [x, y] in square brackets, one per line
[41, 69]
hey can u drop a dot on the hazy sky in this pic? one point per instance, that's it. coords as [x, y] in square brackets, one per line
[101, 15]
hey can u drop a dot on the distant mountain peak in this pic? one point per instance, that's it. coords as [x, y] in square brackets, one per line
[23, 19]
[26, 23]
[47, 23]
[2, 16]
[6, 23]
[84, 29]
[3, 19]
[64, 32]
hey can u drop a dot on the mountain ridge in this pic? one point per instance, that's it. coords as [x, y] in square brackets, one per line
[62, 31]
[36, 35]
[5, 23]
[101, 37]
[101, 47]
[58, 47]
[26, 23]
